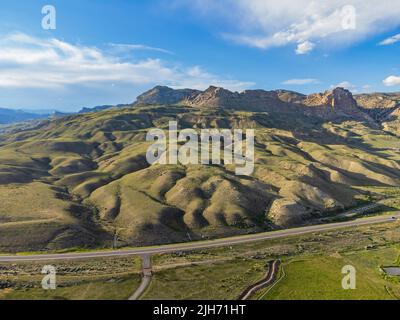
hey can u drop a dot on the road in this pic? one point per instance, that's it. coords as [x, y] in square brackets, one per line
[147, 274]
[198, 245]
[142, 288]
[269, 279]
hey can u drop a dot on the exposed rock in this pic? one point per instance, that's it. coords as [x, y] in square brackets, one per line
[249, 100]
[337, 103]
[288, 213]
[384, 108]
[331, 105]
[290, 96]
[165, 95]
[338, 98]
[378, 100]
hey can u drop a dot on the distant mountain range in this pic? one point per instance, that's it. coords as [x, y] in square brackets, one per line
[8, 116]
[11, 116]
[101, 108]
[339, 103]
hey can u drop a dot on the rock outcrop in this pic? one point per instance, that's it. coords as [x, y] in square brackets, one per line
[338, 103]
[249, 100]
[334, 104]
[165, 95]
[384, 108]
[339, 98]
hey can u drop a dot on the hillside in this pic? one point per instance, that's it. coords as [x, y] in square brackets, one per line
[384, 108]
[75, 181]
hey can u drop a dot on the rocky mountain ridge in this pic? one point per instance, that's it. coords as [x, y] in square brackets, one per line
[330, 105]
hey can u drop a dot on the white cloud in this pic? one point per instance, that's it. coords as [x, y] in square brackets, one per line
[28, 62]
[391, 40]
[276, 23]
[300, 81]
[346, 85]
[392, 81]
[305, 47]
[121, 47]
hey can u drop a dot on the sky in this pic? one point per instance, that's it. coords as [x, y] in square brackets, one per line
[99, 52]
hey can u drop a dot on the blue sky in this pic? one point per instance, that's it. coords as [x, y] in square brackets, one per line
[108, 52]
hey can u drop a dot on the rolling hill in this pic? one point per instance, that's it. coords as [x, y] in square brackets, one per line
[78, 180]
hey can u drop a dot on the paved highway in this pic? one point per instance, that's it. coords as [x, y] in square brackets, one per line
[202, 244]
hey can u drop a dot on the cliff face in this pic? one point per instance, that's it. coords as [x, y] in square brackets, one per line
[335, 104]
[250, 100]
[338, 98]
[378, 100]
[384, 108]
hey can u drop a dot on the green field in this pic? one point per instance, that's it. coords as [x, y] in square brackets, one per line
[110, 289]
[104, 279]
[312, 264]
[211, 281]
[320, 277]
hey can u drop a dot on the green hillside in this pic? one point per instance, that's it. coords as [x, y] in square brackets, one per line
[76, 181]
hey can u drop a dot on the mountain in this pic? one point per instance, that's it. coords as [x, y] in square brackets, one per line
[8, 116]
[75, 181]
[331, 105]
[384, 108]
[165, 95]
[290, 96]
[334, 104]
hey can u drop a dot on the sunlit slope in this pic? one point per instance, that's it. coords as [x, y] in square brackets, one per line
[80, 179]
[384, 107]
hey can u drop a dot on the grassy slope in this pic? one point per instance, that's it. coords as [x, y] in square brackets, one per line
[91, 170]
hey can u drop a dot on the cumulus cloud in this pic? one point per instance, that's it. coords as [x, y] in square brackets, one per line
[305, 47]
[391, 40]
[276, 23]
[392, 81]
[28, 62]
[346, 85]
[300, 81]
